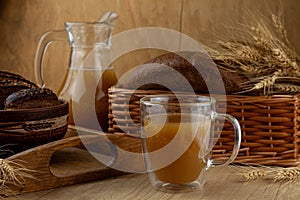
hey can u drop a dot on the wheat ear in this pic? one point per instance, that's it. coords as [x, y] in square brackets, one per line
[277, 174]
[12, 173]
[286, 174]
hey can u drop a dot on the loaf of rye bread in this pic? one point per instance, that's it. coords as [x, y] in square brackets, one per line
[31, 98]
[196, 68]
[11, 82]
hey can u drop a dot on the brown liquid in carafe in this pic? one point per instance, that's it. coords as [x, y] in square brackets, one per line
[87, 93]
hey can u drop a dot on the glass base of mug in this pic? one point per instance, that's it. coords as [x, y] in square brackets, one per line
[169, 187]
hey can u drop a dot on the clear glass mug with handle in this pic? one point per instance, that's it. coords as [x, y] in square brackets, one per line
[178, 135]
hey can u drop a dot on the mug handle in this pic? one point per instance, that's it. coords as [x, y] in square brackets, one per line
[237, 140]
[46, 39]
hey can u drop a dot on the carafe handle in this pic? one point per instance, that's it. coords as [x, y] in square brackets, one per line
[45, 40]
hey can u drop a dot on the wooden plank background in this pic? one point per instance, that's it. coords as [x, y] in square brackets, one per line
[23, 22]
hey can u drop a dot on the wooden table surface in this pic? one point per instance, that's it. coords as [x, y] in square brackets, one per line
[222, 183]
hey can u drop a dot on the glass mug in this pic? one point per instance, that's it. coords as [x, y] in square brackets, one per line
[178, 135]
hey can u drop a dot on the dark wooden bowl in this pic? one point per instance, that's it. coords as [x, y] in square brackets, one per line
[27, 128]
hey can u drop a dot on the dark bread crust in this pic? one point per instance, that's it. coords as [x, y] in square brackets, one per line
[8, 78]
[9, 83]
[10, 74]
[31, 98]
[187, 64]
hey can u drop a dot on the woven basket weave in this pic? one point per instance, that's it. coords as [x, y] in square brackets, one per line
[270, 125]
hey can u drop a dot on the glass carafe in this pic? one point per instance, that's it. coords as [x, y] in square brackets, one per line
[90, 73]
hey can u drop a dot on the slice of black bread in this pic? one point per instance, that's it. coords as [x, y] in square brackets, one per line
[11, 82]
[31, 98]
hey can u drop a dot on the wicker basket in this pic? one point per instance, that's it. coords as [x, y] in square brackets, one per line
[270, 125]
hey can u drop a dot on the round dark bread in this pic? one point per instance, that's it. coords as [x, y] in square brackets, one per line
[31, 98]
[198, 69]
[11, 82]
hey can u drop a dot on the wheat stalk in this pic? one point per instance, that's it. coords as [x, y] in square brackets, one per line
[260, 51]
[276, 174]
[12, 173]
[287, 174]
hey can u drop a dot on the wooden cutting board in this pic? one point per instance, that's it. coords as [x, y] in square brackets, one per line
[67, 162]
